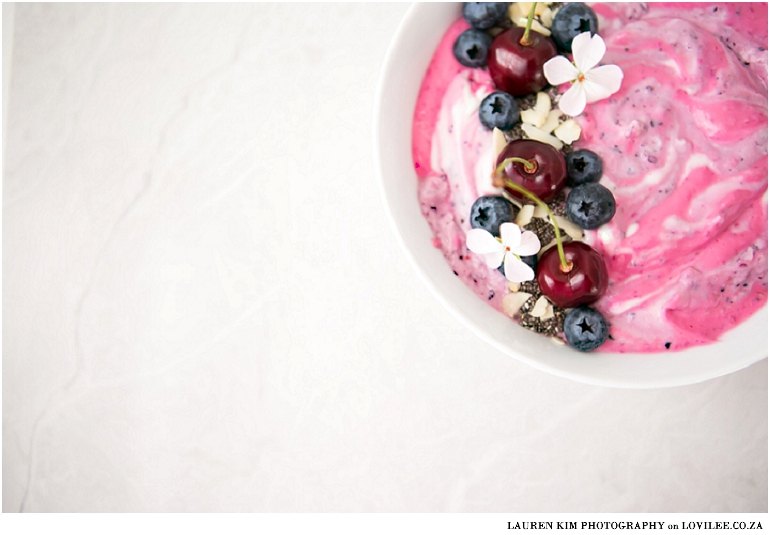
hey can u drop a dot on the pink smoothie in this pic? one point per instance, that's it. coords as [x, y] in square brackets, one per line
[684, 147]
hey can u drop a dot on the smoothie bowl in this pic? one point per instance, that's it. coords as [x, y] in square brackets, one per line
[685, 252]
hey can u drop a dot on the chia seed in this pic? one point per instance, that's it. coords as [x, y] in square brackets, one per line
[545, 233]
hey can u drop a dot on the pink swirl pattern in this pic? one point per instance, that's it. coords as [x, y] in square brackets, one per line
[684, 146]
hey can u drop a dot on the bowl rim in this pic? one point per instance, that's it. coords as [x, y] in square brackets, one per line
[678, 379]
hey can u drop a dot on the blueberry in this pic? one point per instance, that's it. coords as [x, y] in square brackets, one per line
[499, 110]
[471, 48]
[484, 15]
[590, 205]
[570, 21]
[583, 166]
[586, 328]
[490, 212]
[531, 261]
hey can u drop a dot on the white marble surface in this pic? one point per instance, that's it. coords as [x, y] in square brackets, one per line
[205, 310]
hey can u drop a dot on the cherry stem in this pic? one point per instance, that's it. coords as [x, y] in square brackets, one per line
[566, 265]
[525, 40]
[529, 166]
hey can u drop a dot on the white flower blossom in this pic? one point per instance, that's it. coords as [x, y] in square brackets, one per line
[507, 249]
[589, 82]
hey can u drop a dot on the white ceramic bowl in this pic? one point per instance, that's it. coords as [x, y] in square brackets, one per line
[405, 63]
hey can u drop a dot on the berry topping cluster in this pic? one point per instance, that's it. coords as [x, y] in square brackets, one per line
[549, 193]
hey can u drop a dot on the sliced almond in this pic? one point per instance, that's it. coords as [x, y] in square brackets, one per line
[543, 104]
[541, 308]
[568, 131]
[546, 17]
[557, 341]
[498, 141]
[551, 122]
[521, 9]
[539, 28]
[525, 215]
[521, 22]
[511, 199]
[517, 202]
[540, 212]
[533, 132]
[572, 230]
[517, 10]
[513, 286]
[513, 302]
[531, 116]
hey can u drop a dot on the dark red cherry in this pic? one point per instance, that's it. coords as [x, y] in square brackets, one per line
[518, 69]
[548, 177]
[582, 285]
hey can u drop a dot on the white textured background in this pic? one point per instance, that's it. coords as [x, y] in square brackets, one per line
[205, 310]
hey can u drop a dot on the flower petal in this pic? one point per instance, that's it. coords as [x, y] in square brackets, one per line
[530, 244]
[493, 260]
[573, 101]
[510, 233]
[482, 242]
[602, 82]
[558, 70]
[587, 51]
[516, 270]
